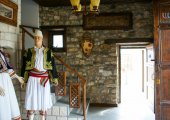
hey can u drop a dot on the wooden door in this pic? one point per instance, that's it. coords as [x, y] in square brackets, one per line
[149, 82]
[162, 58]
[164, 69]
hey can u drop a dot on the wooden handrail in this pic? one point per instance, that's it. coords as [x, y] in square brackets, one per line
[71, 69]
[82, 79]
[27, 31]
[21, 26]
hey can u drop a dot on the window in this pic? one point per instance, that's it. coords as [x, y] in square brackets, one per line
[57, 40]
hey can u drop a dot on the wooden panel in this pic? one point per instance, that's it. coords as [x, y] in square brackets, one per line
[165, 110]
[163, 70]
[165, 46]
[165, 84]
[108, 21]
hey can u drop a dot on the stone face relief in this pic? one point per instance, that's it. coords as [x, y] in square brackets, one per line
[87, 44]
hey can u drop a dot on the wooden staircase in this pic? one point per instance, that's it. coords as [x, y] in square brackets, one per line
[69, 98]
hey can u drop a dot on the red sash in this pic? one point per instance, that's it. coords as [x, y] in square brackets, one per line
[40, 74]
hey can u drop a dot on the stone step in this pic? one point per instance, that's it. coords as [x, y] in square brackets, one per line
[79, 111]
[61, 110]
[74, 111]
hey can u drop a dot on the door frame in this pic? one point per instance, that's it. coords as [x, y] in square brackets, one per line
[118, 48]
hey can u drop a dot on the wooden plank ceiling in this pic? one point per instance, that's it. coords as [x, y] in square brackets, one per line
[56, 3]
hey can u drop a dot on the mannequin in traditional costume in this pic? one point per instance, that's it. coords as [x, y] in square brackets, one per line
[9, 108]
[39, 71]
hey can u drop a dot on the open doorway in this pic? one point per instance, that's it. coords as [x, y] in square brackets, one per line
[131, 73]
[137, 92]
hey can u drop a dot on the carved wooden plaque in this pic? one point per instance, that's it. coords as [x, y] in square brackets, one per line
[108, 21]
[164, 14]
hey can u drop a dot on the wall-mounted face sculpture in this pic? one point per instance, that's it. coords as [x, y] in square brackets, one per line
[87, 44]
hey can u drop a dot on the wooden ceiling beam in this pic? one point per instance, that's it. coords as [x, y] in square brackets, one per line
[129, 40]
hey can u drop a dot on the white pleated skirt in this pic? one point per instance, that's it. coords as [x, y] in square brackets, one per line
[8, 104]
[37, 96]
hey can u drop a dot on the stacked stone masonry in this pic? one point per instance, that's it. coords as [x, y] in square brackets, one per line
[100, 69]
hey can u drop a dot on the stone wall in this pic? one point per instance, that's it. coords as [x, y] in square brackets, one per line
[9, 40]
[100, 69]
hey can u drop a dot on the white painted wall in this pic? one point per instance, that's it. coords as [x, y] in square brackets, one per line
[29, 13]
[29, 17]
[29, 42]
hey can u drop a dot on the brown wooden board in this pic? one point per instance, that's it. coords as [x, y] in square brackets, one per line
[129, 40]
[108, 21]
[163, 69]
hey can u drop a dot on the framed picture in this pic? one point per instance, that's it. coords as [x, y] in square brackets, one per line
[8, 12]
[112, 21]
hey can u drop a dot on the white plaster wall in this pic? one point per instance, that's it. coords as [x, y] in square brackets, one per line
[29, 13]
[29, 17]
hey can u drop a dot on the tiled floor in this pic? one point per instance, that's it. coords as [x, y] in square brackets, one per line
[133, 107]
[131, 110]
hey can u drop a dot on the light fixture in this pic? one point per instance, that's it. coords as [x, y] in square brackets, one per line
[77, 7]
